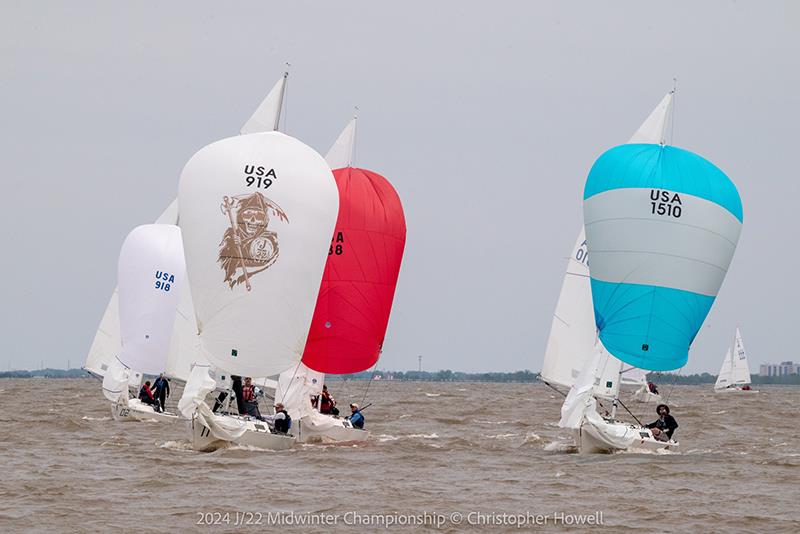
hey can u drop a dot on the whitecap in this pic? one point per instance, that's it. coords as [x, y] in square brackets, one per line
[87, 418]
[423, 436]
[480, 422]
[176, 445]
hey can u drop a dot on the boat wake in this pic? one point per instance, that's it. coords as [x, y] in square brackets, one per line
[564, 447]
[180, 445]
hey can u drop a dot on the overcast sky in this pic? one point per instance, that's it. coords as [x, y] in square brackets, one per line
[485, 116]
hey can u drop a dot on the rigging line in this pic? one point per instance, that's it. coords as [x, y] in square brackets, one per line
[548, 384]
[672, 111]
[674, 381]
[290, 382]
[366, 390]
[630, 412]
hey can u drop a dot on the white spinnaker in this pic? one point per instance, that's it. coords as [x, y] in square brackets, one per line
[268, 114]
[724, 379]
[741, 369]
[115, 381]
[340, 154]
[257, 326]
[107, 345]
[296, 385]
[634, 376]
[151, 274]
[573, 332]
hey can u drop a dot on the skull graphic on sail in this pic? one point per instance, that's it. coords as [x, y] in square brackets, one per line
[248, 247]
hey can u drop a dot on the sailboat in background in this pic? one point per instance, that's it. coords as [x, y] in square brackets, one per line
[257, 214]
[653, 281]
[356, 294]
[183, 350]
[573, 333]
[735, 372]
[151, 275]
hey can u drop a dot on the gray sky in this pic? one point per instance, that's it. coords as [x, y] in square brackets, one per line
[485, 116]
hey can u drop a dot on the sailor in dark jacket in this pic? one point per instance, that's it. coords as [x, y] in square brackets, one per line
[281, 421]
[665, 425]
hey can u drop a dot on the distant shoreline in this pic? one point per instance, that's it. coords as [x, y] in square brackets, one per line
[447, 376]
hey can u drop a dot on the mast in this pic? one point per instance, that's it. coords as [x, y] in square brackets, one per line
[267, 116]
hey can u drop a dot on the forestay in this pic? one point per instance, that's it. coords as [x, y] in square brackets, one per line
[257, 212]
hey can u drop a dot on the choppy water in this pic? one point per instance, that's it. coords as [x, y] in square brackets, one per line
[441, 448]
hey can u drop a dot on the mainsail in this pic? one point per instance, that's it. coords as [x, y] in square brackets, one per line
[573, 333]
[735, 370]
[662, 225]
[257, 213]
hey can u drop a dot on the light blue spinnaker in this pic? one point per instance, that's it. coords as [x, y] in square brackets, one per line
[662, 225]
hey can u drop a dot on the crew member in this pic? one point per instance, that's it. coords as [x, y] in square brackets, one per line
[356, 419]
[665, 425]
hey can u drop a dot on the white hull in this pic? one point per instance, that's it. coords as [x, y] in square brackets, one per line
[335, 431]
[136, 410]
[590, 440]
[735, 389]
[257, 434]
[644, 395]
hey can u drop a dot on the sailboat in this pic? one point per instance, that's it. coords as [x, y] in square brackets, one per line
[735, 372]
[183, 351]
[151, 275]
[355, 298]
[257, 215]
[662, 225]
[573, 333]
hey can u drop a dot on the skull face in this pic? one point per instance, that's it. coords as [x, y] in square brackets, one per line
[253, 220]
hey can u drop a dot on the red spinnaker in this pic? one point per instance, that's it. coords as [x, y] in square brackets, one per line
[357, 289]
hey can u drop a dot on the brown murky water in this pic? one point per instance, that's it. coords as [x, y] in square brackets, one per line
[436, 450]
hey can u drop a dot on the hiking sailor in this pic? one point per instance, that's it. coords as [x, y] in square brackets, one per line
[665, 425]
[356, 419]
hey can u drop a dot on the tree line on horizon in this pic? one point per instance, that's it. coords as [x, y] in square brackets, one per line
[448, 375]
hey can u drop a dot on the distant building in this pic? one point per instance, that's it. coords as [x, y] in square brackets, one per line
[779, 369]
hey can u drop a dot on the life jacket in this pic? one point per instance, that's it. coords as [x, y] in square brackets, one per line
[145, 393]
[249, 393]
[283, 425]
[326, 403]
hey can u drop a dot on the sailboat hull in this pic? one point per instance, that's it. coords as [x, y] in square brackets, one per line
[332, 431]
[644, 395]
[256, 434]
[593, 440]
[735, 390]
[136, 410]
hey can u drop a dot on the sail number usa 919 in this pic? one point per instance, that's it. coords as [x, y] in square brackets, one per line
[259, 176]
